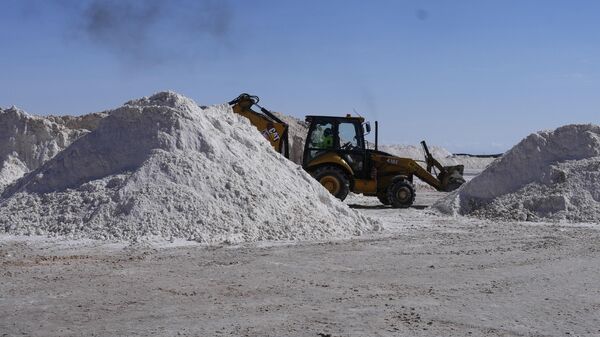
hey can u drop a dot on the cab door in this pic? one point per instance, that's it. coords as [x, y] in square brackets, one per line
[350, 145]
[320, 140]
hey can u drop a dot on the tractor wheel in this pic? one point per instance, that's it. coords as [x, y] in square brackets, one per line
[334, 180]
[383, 198]
[401, 194]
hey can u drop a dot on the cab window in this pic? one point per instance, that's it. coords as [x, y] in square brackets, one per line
[322, 136]
[320, 139]
[348, 137]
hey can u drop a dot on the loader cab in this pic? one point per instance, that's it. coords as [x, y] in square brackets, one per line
[341, 136]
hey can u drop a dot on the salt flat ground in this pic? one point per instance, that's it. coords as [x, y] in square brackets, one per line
[425, 275]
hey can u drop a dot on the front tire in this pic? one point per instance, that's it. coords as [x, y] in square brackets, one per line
[334, 180]
[383, 198]
[401, 194]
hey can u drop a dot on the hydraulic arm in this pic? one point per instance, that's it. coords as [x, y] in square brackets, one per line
[271, 127]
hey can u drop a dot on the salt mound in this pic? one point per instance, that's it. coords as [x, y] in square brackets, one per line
[26, 141]
[414, 152]
[163, 166]
[469, 162]
[444, 156]
[84, 122]
[548, 175]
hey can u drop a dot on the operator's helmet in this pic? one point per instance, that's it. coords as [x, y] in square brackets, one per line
[328, 132]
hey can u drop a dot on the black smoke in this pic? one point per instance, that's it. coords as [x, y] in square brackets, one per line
[422, 14]
[145, 31]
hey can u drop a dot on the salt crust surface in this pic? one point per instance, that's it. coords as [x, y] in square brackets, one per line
[162, 166]
[549, 175]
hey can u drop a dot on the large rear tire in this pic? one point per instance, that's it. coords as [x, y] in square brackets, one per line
[401, 194]
[334, 180]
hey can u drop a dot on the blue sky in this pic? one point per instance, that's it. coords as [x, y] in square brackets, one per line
[473, 76]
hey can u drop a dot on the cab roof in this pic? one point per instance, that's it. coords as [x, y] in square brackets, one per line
[347, 118]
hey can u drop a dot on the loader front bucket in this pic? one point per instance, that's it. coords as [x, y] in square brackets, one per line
[452, 177]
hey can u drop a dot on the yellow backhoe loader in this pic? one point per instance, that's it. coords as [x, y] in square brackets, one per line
[271, 127]
[336, 155]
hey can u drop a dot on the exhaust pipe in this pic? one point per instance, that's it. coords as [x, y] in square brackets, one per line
[376, 135]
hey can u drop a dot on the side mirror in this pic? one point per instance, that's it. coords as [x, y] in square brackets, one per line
[367, 128]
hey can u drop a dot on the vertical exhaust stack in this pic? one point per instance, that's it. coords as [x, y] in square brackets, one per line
[376, 136]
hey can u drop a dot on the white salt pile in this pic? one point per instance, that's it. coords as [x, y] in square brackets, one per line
[471, 163]
[26, 142]
[87, 122]
[162, 166]
[550, 175]
[444, 156]
[414, 151]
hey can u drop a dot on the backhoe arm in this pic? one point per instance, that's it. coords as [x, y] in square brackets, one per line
[271, 127]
